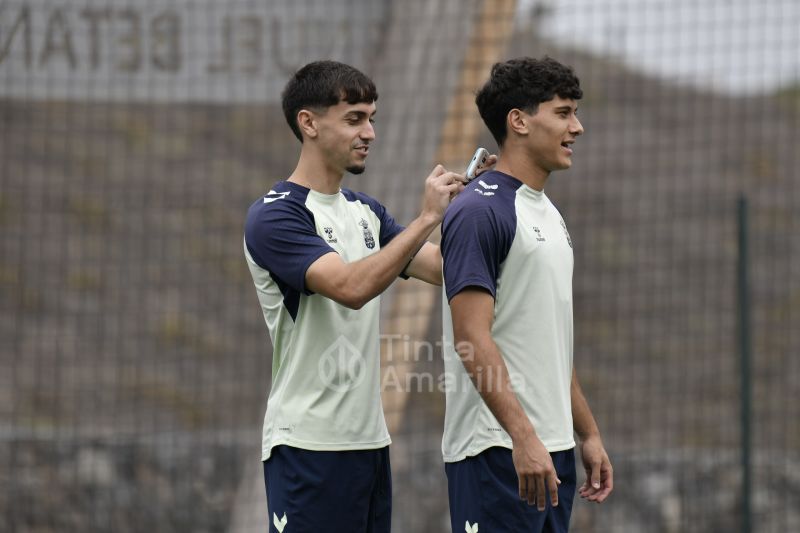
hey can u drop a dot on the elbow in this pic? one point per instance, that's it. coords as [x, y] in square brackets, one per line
[354, 303]
[351, 296]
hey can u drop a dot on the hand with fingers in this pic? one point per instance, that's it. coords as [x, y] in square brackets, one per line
[536, 473]
[599, 473]
[441, 186]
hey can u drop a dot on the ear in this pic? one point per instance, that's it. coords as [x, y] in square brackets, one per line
[517, 121]
[307, 123]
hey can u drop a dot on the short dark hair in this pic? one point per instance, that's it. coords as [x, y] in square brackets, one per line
[324, 84]
[523, 83]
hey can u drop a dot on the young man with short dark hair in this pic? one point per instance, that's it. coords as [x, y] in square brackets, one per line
[319, 256]
[508, 442]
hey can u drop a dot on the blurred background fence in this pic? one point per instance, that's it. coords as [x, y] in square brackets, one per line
[134, 361]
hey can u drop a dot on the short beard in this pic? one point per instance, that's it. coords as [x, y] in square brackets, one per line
[353, 169]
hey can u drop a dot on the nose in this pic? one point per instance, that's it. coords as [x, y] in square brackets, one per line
[368, 132]
[576, 128]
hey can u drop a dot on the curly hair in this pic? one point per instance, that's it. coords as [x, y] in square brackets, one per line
[523, 83]
[323, 84]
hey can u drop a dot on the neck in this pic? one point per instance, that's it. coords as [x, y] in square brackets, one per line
[516, 163]
[315, 173]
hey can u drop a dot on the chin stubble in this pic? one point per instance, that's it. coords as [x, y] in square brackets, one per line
[356, 169]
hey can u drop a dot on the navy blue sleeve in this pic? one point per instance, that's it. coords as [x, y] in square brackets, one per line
[475, 242]
[281, 238]
[389, 227]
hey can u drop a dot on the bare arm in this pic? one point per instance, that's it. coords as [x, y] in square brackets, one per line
[354, 284]
[599, 473]
[427, 264]
[473, 313]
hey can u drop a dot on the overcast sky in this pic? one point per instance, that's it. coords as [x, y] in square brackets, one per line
[733, 46]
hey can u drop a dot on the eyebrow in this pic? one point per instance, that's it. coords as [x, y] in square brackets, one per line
[359, 114]
[559, 109]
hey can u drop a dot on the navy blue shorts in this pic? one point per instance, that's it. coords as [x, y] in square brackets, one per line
[484, 490]
[311, 492]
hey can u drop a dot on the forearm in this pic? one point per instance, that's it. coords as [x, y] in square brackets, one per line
[582, 419]
[487, 370]
[599, 472]
[368, 277]
[427, 264]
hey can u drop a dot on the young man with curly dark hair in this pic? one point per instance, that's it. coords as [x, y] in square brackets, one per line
[508, 442]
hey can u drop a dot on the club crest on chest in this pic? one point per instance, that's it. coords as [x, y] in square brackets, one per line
[369, 239]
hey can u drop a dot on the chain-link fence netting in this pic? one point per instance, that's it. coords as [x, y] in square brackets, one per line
[134, 361]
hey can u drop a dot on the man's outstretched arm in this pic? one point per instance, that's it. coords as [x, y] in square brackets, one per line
[354, 284]
[427, 264]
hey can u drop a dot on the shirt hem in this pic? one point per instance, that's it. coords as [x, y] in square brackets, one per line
[324, 446]
[472, 452]
[472, 282]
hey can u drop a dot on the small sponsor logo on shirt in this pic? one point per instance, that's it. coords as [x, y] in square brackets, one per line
[471, 528]
[499, 430]
[369, 239]
[329, 232]
[539, 236]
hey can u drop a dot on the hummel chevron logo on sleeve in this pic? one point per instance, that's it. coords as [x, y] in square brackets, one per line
[471, 528]
[272, 196]
[281, 524]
